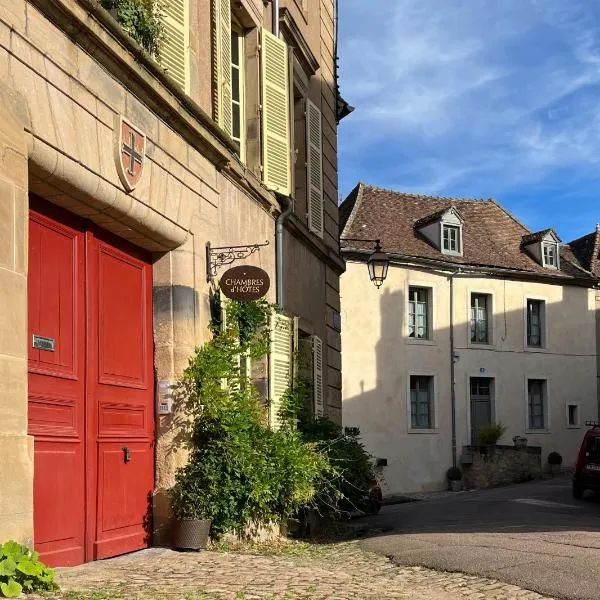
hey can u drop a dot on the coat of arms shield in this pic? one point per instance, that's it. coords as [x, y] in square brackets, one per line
[130, 153]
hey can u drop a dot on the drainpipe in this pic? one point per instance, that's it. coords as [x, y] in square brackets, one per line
[452, 371]
[288, 206]
[275, 17]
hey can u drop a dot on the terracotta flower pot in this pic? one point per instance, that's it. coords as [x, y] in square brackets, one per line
[191, 534]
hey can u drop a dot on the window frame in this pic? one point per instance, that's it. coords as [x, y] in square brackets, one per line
[545, 405]
[427, 302]
[547, 244]
[237, 32]
[433, 403]
[489, 303]
[543, 347]
[577, 424]
[449, 250]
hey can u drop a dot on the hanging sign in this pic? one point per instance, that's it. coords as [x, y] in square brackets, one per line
[245, 283]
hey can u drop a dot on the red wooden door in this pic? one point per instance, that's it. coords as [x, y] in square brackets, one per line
[121, 383]
[56, 386]
[90, 389]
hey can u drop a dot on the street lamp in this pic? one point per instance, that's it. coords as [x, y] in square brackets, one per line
[377, 263]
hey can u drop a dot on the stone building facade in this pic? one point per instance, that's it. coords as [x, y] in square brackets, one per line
[73, 87]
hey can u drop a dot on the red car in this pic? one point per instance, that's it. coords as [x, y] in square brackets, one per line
[587, 468]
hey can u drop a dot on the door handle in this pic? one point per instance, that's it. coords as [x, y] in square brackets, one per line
[126, 455]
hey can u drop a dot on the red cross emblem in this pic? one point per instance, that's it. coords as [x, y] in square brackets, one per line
[130, 153]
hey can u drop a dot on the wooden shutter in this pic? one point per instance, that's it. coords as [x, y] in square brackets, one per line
[319, 403]
[314, 167]
[280, 364]
[174, 50]
[222, 11]
[275, 114]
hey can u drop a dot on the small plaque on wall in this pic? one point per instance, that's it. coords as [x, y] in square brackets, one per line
[43, 343]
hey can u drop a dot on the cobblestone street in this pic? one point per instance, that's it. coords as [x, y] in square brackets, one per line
[294, 571]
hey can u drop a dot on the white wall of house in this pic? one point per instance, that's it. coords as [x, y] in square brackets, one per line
[378, 359]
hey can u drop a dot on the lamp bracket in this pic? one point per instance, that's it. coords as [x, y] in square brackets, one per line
[219, 256]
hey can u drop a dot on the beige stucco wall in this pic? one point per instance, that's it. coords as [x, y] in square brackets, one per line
[378, 358]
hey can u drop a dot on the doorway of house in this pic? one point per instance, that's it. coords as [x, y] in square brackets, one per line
[91, 388]
[481, 405]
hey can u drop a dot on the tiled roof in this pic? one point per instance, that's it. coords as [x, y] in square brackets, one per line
[434, 217]
[587, 251]
[492, 237]
[538, 236]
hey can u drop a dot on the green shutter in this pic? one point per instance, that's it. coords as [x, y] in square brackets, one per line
[280, 364]
[222, 11]
[319, 403]
[275, 114]
[174, 50]
[314, 168]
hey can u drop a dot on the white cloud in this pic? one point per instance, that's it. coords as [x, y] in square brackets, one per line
[474, 95]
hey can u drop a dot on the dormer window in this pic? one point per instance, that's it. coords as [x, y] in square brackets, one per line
[550, 254]
[443, 230]
[451, 239]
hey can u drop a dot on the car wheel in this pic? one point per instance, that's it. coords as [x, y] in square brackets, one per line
[578, 491]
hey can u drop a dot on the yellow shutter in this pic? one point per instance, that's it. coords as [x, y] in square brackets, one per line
[314, 168]
[223, 31]
[174, 50]
[275, 114]
[280, 364]
[319, 405]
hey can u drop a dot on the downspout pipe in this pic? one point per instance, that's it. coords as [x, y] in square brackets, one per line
[288, 206]
[452, 369]
[275, 17]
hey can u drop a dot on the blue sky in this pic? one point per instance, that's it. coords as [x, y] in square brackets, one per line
[476, 98]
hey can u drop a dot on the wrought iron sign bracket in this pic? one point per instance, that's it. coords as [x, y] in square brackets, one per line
[226, 255]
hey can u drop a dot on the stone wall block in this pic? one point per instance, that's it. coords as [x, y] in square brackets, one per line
[51, 41]
[13, 395]
[201, 167]
[13, 316]
[35, 89]
[171, 143]
[21, 230]
[141, 117]
[7, 225]
[67, 127]
[100, 83]
[14, 14]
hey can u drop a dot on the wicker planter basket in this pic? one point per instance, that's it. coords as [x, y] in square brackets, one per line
[191, 534]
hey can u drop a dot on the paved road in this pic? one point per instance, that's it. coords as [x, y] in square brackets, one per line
[534, 535]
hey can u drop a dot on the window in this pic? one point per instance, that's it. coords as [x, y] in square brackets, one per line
[237, 90]
[536, 394]
[550, 253]
[572, 415]
[480, 310]
[535, 312]
[451, 239]
[421, 402]
[418, 313]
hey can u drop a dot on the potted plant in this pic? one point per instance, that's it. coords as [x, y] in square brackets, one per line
[555, 462]
[454, 475]
[488, 435]
[189, 503]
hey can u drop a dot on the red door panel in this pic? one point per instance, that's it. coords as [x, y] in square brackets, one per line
[91, 389]
[121, 381]
[56, 387]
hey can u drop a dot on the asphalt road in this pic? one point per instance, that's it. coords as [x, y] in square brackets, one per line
[535, 535]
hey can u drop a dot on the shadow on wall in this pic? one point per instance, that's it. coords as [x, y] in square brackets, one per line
[376, 378]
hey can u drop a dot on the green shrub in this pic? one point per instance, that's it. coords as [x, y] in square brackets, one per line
[141, 20]
[240, 472]
[490, 434]
[554, 458]
[21, 571]
[454, 474]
